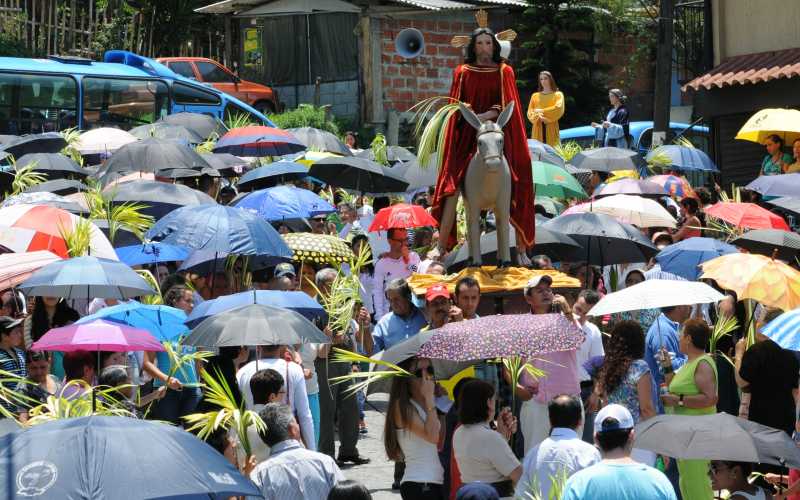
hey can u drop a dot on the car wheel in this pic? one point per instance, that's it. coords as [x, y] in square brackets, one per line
[264, 107]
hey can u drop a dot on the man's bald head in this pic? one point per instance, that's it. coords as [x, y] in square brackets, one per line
[565, 411]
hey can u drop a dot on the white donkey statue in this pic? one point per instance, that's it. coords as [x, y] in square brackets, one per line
[487, 185]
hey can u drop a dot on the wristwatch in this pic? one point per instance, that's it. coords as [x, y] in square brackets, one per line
[680, 401]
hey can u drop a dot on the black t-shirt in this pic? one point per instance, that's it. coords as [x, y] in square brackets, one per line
[772, 373]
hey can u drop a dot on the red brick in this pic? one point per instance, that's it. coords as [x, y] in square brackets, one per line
[391, 70]
[443, 26]
[386, 82]
[425, 85]
[432, 73]
[429, 26]
[431, 49]
[404, 96]
[398, 83]
[403, 23]
[411, 83]
[406, 71]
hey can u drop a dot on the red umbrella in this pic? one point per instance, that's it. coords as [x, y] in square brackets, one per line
[403, 216]
[747, 215]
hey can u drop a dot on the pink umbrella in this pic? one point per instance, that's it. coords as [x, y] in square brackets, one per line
[17, 267]
[98, 335]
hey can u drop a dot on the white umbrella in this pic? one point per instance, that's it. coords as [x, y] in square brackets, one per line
[641, 212]
[103, 140]
[654, 294]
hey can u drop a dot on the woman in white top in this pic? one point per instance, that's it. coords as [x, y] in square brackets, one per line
[732, 476]
[411, 433]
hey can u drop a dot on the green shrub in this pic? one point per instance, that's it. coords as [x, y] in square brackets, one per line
[306, 115]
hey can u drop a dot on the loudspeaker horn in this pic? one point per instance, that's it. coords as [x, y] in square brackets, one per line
[409, 43]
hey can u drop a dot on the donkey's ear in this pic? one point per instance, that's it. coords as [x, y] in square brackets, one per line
[502, 120]
[470, 116]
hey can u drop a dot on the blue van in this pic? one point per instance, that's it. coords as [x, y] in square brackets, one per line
[642, 135]
[123, 91]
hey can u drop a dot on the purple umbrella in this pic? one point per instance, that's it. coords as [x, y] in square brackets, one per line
[503, 336]
[98, 335]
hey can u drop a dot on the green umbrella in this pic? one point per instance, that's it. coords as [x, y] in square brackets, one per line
[552, 206]
[555, 182]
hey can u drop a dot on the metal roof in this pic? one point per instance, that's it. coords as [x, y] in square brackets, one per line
[230, 6]
[436, 4]
[750, 69]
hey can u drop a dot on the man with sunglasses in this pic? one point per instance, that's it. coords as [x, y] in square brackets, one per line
[398, 262]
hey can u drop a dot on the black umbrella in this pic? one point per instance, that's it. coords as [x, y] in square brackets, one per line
[205, 262]
[6, 181]
[49, 142]
[320, 140]
[163, 130]
[716, 437]
[605, 240]
[205, 126]
[255, 324]
[152, 155]
[394, 154]
[58, 186]
[783, 245]
[359, 174]
[226, 164]
[53, 165]
[786, 203]
[184, 173]
[608, 159]
[122, 237]
[161, 198]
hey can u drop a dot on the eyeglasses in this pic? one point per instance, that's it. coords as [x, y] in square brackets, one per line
[419, 371]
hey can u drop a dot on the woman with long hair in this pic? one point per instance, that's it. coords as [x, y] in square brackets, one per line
[690, 222]
[545, 109]
[49, 312]
[411, 433]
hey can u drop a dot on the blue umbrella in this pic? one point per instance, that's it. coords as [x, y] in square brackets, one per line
[220, 229]
[205, 262]
[685, 158]
[285, 202]
[115, 457]
[151, 253]
[684, 257]
[296, 301]
[86, 278]
[777, 185]
[785, 330]
[272, 174]
[164, 322]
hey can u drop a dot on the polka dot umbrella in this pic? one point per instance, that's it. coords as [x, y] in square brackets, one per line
[318, 248]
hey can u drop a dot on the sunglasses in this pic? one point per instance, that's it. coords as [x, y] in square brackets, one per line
[419, 372]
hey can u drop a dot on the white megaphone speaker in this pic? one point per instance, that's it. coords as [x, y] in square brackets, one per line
[409, 43]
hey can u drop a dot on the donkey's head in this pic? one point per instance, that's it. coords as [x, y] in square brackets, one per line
[489, 134]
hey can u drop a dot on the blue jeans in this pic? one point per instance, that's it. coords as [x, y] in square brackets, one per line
[313, 405]
[177, 404]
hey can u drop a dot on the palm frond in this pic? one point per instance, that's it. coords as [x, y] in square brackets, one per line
[25, 178]
[72, 135]
[345, 293]
[516, 366]
[533, 489]
[151, 280]
[363, 379]
[238, 120]
[431, 137]
[177, 359]
[379, 150]
[568, 150]
[683, 141]
[724, 327]
[128, 216]
[347, 197]
[79, 238]
[207, 146]
[659, 159]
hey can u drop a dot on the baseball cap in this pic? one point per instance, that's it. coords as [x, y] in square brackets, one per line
[536, 280]
[284, 269]
[7, 323]
[435, 291]
[623, 417]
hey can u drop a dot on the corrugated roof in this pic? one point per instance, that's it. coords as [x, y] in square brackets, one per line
[229, 6]
[750, 69]
[436, 4]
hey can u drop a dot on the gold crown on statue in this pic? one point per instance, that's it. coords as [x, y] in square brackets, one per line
[482, 18]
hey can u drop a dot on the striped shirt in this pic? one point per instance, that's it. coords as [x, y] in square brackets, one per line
[12, 364]
[295, 473]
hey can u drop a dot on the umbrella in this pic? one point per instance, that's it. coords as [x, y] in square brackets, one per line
[501, 336]
[607, 159]
[551, 180]
[163, 130]
[684, 158]
[160, 198]
[152, 155]
[320, 140]
[605, 239]
[184, 173]
[550, 205]
[640, 212]
[284, 202]
[48, 142]
[785, 330]
[272, 174]
[17, 267]
[219, 229]
[47, 199]
[756, 277]
[25, 228]
[255, 324]
[151, 253]
[205, 262]
[299, 302]
[224, 163]
[258, 140]
[747, 215]
[673, 185]
[122, 236]
[111, 458]
[394, 155]
[113, 178]
[204, 125]
[58, 186]
[635, 187]
[318, 248]
[359, 174]
[786, 203]
[654, 294]
[6, 179]
[785, 123]
[403, 216]
[541, 151]
[86, 278]
[716, 437]
[776, 185]
[103, 140]
[97, 335]
[54, 165]
[417, 176]
[684, 258]
[783, 245]
[163, 322]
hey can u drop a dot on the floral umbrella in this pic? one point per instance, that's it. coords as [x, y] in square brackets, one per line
[503, 336]
[318, 248]
[752, 276]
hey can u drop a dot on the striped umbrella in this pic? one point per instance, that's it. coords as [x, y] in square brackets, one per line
[785, 330]
[258, 141]
[17, 267]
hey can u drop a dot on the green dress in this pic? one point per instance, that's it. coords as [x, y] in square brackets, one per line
[694, 481]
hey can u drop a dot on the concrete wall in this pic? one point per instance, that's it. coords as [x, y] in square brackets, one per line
[752, 26]
[341, 96]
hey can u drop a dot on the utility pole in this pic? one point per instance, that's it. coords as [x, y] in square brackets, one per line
[663, 72]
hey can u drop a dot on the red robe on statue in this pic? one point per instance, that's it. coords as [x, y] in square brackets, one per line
[484, 88]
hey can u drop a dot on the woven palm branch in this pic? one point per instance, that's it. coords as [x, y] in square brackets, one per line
[568, 150]
[72, 136]
[659, 159]
[516, 367]
[431, 137]
[25, 177]
[722, 328]
[153, 282]
[363, 379]
[345, 293]
[79, 238]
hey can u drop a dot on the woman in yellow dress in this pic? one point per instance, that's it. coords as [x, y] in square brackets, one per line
[545, 109]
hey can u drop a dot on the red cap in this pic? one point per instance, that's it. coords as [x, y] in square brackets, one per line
[435, 291]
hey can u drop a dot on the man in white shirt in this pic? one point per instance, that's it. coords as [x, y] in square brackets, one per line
[294, 384]
[398, 262]
[563, 453]
[592, 346]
